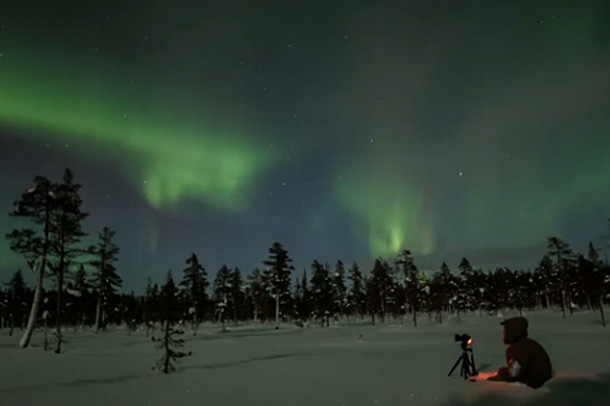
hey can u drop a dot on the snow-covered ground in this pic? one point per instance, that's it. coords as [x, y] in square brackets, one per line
[256, 365]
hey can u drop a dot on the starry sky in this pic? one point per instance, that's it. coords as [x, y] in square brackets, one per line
[343, 129]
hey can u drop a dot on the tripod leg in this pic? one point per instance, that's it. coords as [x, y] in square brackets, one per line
[464, 367]
[474, 368]
[455, 366]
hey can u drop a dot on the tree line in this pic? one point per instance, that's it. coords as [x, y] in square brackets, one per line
[85, 282]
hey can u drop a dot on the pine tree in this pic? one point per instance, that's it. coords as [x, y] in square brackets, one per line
[222, 293]
[195, 283]
[357, 293]
[37, 205]
[339, 290]
[321, 292]
[169, 342]
[65, 233]
[106, 279]
[278, 275]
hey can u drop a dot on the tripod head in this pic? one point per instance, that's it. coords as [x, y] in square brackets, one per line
[465, 341]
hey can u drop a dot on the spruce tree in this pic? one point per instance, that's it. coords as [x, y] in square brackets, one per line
[170, 342]
[237, 294]
[357, 292]
[106, 279]
[378, 289]
[303, 302]
[594, 280]
[148, 306]
[339, 289]
[412, 286]
[222, 293]
[258, 294]
[321, 292]
[37, 205]
[561, 251]
[278, 275]
[194, 283]
[469, 288]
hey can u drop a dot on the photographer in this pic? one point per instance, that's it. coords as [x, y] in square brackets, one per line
[527, 360]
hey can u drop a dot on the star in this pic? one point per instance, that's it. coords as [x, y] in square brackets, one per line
[461, 173]
[283, 183]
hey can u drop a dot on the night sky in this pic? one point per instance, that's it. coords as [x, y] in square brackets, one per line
[345, 130]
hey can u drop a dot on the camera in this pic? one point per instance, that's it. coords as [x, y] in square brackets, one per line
[463, 338]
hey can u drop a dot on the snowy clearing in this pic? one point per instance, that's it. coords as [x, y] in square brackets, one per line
[257, 365]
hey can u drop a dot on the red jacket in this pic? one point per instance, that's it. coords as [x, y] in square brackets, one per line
[527, 360]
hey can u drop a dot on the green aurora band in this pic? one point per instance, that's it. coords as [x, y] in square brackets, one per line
[175, 157]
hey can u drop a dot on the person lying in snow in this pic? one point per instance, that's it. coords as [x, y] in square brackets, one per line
[527, 360]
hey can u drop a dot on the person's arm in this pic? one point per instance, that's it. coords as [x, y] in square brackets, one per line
[514, 370]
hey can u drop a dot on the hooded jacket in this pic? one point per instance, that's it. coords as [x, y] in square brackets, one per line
[527, 360]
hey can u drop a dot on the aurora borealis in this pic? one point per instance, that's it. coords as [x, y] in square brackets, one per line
[345, 130]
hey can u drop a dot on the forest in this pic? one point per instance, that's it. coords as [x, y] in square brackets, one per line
[78, 286]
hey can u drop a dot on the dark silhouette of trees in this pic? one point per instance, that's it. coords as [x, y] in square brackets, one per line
[65, 234]
[36, 205]
[16, 297]
[562, 253]
[222, 293]
[357, 292]
[194, 283]
[412, 290]
[170, 342]
[278, 276]
[237, 295]
[106, 279]
[339, 290]
[257, 293]
[321, 292]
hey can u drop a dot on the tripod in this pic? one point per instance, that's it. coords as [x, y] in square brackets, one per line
[468, 368]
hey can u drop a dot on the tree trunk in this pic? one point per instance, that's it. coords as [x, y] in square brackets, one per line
[98, 312]
[58, 314]
[277, 311]
[166, 344]
[563, 303]
[414, 318]
[195, 320]
[27, 335]
[589, 302]
[601, 309]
